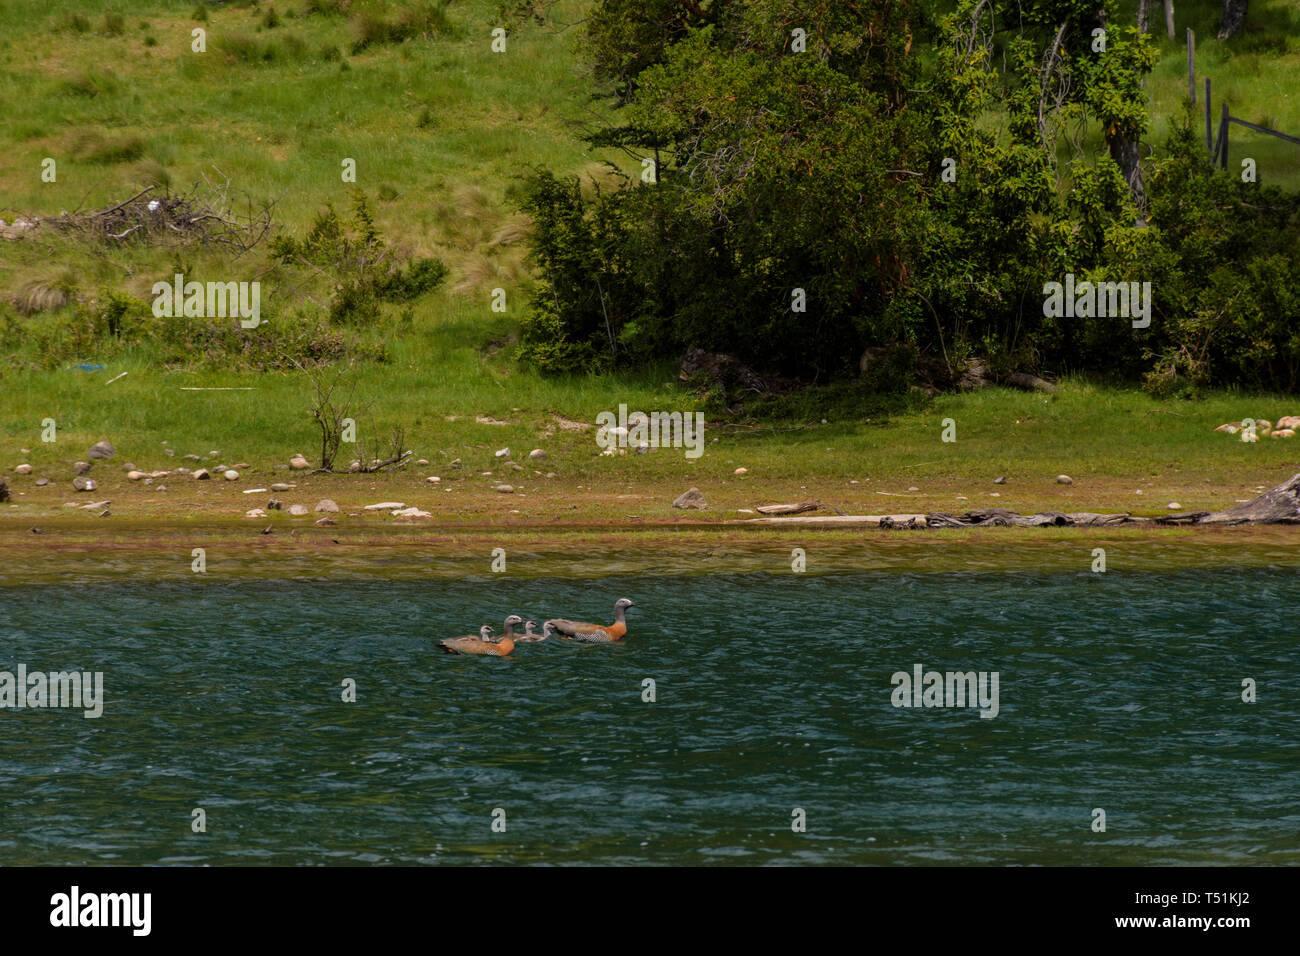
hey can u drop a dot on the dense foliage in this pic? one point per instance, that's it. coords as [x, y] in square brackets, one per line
[825, 177]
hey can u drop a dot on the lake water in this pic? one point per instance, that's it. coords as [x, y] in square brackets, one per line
[1120, 691]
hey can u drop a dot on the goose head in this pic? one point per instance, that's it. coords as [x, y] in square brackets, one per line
[621, 605]
[529, 627]
[513, 619]
[486, 632]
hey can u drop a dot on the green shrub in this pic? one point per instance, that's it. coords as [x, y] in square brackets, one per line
[354, 255]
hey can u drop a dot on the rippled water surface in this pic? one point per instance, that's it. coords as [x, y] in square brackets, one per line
[1120, 691]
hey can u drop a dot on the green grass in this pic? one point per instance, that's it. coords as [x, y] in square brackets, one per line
[438, 119]
[1257, 74]
[441, 129]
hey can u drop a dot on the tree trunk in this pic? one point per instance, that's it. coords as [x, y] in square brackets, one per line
[1234, 18]
[1125, 153]
[1144, 16]
[1169, 17]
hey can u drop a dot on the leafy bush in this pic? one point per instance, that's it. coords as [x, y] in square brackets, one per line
[829, 173]
[114, 324]
[360, 264]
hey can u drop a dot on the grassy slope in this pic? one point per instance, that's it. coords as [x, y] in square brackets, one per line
[1257, 75]
[280, 128]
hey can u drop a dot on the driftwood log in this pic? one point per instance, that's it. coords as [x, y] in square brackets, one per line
[799, 508]
[1281, 505]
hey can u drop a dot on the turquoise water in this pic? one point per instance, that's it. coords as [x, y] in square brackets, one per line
[1116, 691]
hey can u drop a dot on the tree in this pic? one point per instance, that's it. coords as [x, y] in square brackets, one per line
[1234, 18]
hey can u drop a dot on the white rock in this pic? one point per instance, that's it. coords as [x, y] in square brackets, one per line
[325, 504]
[433, 479]
[411, 513]
[202, 475]
[1174, 506]
[299, 463]
[254, 491]
[255, 513]
[24, 469]
[537, 453]
[134, 475]
[503, 453]
[230, 474]
[386, 506]
[505, 489]
[741, 471]
[298, 510]
[1064, 480]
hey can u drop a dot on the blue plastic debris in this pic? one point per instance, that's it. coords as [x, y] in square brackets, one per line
[91, 368]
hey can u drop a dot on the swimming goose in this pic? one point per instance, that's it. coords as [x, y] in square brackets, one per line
[511, 621]
[594, 633]
[528, 637]
[483, 644]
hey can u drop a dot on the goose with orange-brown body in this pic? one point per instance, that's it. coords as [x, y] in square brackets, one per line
[594, 633]
[528, 637]
[483, 644]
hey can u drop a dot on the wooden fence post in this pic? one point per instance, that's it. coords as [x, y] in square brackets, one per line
[1223, 133]
[1209, 137]
[1191, 66]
